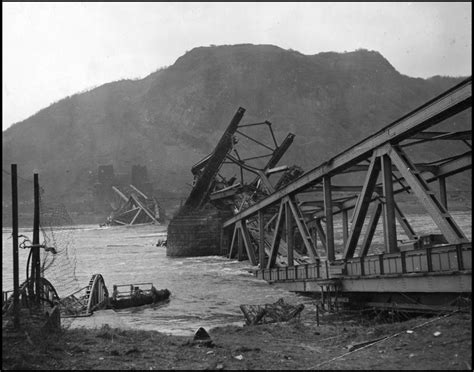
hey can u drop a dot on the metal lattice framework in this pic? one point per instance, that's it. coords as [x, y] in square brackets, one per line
[266, 228]
[46, 296]
[86, 300]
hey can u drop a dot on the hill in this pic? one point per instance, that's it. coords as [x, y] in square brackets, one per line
[174, 117]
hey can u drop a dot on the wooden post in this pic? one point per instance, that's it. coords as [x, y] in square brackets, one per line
[329, 220]
[16, 285]
[36, 264]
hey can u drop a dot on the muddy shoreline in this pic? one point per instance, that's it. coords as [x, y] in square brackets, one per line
[339, 342]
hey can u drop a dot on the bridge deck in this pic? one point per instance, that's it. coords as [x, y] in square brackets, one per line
[446, 268]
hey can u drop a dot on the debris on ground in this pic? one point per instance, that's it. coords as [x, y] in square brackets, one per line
[202, 338]
[270, 313]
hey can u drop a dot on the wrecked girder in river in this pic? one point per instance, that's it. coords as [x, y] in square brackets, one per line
[298, 232]
[226, 182]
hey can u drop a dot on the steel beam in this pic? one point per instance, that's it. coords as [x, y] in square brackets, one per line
[372, 226]
[461, 135]
[302, 228]
[440, 215]
[446, 169]
[239, 242]
[276, 237]
[289, 235]
[203, 184]
[261, 246]
[278, 153]
[454, 166]
[345, 227]
[362, 205]
[329, 220]
[234, 234]
[138, 191]
[460, 283]
[363, 168]
[389, 210]
[247, 242]
[337, 188]
[445, 105]
[119, 193]
[321, 233]
[402, 220]
[443, 197]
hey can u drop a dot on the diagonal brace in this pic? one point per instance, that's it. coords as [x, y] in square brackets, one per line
[427, 197]
[362, 206]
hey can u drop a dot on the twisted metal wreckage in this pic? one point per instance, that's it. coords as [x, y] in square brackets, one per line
[287, 228]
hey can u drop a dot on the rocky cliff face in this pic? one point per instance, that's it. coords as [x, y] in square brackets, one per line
[175, 116]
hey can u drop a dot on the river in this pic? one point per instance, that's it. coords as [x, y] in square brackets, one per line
[205, 291]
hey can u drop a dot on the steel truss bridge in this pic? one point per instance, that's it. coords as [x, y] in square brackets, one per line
[307, 209]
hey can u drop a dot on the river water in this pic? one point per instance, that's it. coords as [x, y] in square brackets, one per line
[205, 291]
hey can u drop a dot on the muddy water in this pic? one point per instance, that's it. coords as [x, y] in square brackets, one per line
[205, 291]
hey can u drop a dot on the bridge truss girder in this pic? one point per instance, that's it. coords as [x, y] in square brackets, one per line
[387, 160]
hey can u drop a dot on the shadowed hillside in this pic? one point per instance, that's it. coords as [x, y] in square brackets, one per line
[175, 116]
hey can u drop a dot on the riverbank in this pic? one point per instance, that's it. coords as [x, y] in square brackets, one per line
[421, 343]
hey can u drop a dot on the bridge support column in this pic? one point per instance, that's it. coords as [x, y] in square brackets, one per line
[321, 233]
[261, 246]
[389, 211]
[329, 220]
[345, 226]
[289, 235]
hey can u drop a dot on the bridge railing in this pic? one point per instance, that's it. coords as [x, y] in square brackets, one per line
[442, 259]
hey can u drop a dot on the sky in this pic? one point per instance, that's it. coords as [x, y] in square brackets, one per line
[54, 50]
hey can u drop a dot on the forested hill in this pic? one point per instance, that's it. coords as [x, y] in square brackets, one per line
[174, 117]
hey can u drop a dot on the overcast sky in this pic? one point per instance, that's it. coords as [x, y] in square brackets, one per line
[52, 50]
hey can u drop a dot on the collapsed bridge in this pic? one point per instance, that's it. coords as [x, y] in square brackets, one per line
[220, 189]
[288, 230]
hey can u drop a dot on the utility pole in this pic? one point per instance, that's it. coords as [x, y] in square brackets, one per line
[36, 264]
[16, 285]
